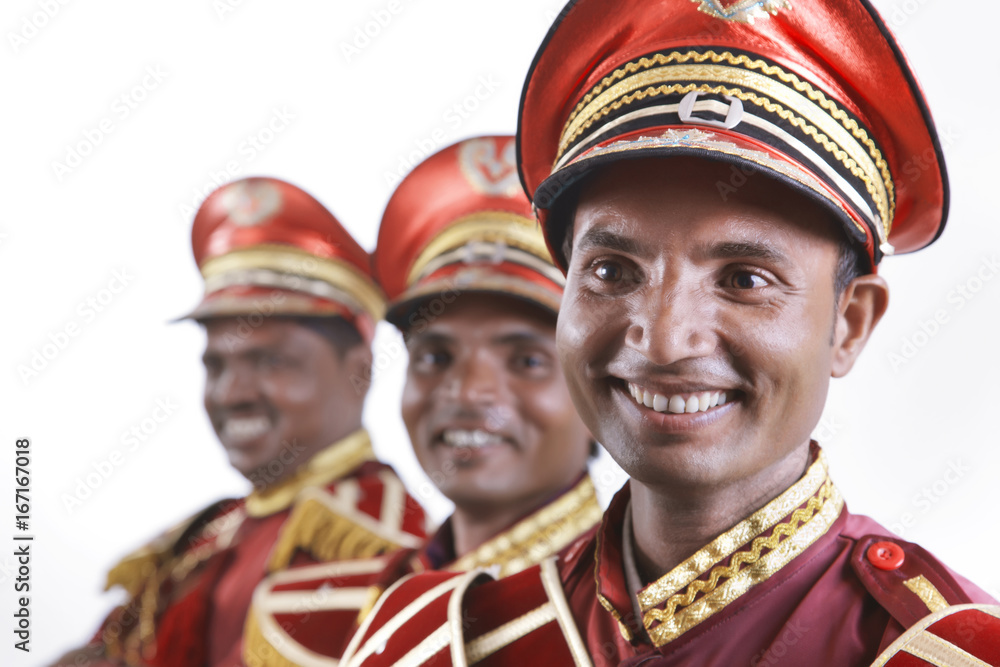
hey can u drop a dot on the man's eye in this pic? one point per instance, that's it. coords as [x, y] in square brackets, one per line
[429, 359]
[273, 361]
[747, 280]
[609, 272]
[530, 361]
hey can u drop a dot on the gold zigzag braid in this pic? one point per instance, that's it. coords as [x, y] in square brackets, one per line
[798, 518]
[764, 102]
[798, 84]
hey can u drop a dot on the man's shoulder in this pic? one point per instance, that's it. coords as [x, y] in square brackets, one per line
[902, 576]
[329, 553]
[941, 613]
[205, 531]
[447, 618]
[359, 516]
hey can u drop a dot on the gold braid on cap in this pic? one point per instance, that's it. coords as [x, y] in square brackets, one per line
[499, 227]
[285, 267]
[789, 113]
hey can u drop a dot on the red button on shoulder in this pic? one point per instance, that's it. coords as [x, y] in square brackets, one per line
[886, 555]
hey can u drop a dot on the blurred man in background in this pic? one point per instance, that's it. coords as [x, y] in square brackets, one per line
[289, 311]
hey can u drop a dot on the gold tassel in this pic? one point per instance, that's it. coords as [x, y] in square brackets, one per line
[326, 535]
[374, 593]
[257, 650]
[137, 574]
[133, 571]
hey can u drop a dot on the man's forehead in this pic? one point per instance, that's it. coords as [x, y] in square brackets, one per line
[496, 324]
[243, 334]
[715, 181]
[741, 242]
[618, 204]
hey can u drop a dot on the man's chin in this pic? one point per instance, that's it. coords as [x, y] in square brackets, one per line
[476, 498]
[669, 461]
[254, 470]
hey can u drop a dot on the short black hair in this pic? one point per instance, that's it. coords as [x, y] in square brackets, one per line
[850, 265]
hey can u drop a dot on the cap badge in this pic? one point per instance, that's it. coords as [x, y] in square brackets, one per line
[744, 11]
[251, 203]
[488, 169]
[489, 252]
[733, 116]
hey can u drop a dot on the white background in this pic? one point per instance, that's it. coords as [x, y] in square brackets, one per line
[890, 432]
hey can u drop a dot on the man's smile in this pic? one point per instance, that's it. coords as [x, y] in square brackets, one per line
[470, 441]
[677, 403]
[470, 438]
[656, 413]
[239, 430]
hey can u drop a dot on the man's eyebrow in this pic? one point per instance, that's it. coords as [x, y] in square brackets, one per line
[246, 353]
[428, 337]
[745, 250]
[603, 238]
[520, 337]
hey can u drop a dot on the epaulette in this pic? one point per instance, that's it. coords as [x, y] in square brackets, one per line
[942, 627]
[133, 571]
[351, 519]
[965, 635]
[303, 615]
[907, 581]
[461, 619]
[130, 634]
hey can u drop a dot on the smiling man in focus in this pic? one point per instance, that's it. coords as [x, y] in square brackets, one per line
[719, 181]
[289, 312]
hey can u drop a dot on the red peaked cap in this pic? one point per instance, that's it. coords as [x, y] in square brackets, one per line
[815, 93]
[459, 222]
[266, 247]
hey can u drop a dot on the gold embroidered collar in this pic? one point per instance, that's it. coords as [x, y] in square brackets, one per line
[327, 466]
[745, 555]
[541, 534]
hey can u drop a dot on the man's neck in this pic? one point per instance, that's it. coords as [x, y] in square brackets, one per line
[299, 457]
[670, 526]
[473, 526]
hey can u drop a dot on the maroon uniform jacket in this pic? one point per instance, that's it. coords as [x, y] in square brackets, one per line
[306, 615]
[800, 582]
[191, 588]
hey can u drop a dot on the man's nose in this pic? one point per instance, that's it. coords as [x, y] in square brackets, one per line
[477, 380]
[235, 385]
[672, 321]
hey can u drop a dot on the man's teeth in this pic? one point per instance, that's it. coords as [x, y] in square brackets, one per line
[454, 437]
[677, 404]
[245, 428]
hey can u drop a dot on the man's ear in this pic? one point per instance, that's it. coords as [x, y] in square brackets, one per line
[862, 304]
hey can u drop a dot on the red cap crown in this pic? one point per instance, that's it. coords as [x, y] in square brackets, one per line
[816, 93]
[265, 246]
[460, 222]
